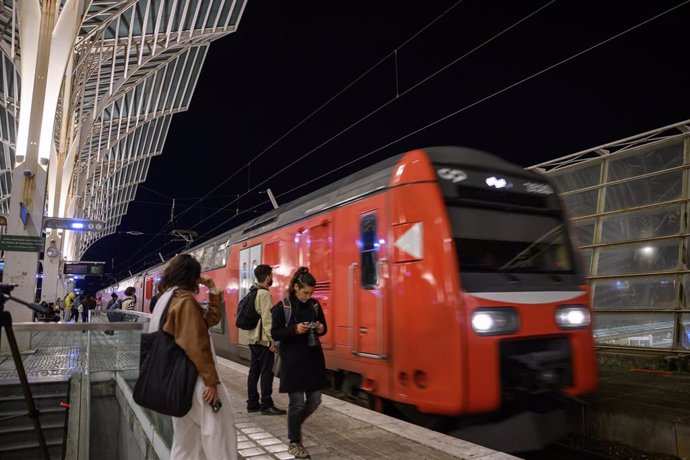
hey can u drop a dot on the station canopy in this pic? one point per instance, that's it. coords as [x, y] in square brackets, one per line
[136, 64]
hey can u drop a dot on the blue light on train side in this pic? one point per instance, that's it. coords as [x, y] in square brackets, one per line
[77, 225]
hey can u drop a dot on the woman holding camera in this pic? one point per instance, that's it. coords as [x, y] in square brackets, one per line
[298, 321]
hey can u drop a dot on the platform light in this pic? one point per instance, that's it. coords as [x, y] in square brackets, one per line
[573, 317]
[495, 321]
[648, 251]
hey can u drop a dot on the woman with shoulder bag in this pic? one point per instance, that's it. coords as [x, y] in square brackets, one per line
[207, 431]
[303, 367]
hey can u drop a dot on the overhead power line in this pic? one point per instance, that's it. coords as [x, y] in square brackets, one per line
[308, 117]
[445, 117]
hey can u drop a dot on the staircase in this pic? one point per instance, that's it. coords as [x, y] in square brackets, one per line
[17, 436]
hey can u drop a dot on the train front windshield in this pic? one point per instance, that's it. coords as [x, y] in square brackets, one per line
[489, 240]
[510, 232]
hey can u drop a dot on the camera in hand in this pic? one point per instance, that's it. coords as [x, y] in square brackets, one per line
[311, 337]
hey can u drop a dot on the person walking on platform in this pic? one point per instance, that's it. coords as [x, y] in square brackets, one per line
[298, 321]
[208, 430]
[261, 347]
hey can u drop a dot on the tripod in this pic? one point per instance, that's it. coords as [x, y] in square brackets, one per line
[6, 323]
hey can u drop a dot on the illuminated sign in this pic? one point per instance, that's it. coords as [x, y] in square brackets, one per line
[79, 225]
[84, 268]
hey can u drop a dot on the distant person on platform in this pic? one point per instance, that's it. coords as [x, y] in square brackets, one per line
[261, 347]
[89, 303]
[69, 306]
[130, 300]
[113, 299]
[154, 299]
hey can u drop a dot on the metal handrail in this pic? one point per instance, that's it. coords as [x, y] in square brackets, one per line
[76, 327]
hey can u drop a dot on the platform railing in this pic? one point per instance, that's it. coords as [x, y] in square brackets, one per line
[98, 346]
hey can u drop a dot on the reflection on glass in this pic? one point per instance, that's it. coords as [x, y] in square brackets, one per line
[643, 257]
[586, 255]
[492, 241]
[641, 224]
[582, 204]
[646, 162]
[685, 332]
[585, 231]
[640, 292]
[577, 179]
[647, 330]
[655, 189]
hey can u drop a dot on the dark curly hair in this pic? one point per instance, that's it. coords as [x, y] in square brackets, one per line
[182, 271]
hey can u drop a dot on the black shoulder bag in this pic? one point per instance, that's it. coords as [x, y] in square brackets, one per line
[166, 375]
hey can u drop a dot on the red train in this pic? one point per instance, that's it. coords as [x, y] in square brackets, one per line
[447, 276]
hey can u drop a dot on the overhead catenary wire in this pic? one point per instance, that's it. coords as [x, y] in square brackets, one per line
[287, 133]
[382, 106]
[407, 91]
[443, 118]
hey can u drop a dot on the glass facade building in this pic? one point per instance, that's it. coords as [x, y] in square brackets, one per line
[629, 204]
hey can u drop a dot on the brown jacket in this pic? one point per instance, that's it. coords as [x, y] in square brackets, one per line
[189, 324]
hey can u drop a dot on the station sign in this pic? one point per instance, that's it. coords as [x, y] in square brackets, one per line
[84, 268]
[21, 243]
[79, 225]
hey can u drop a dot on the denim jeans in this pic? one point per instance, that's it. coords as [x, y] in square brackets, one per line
[299, 410]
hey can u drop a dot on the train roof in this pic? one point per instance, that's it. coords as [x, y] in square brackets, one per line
[364, 182]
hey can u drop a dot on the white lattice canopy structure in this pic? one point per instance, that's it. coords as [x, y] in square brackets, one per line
[629, 203]
[133, 65]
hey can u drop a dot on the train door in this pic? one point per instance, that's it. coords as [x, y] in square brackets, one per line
[316, 252]
[367, 279]
[249, 258]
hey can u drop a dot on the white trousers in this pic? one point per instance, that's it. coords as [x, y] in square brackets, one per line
[203, 434]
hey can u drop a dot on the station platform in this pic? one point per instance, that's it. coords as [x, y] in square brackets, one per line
[647, 410]
[337, 430]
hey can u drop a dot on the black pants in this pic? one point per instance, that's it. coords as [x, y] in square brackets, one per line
[260, 367]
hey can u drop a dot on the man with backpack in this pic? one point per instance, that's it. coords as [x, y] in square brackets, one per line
[261, 344]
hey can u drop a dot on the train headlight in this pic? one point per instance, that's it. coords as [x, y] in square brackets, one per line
[573, 317]
[495, 321]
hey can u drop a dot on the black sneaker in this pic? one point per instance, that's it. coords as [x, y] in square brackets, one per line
[273, 411]
[253, 409]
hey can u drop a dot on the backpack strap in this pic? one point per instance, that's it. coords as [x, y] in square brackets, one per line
[287, 309]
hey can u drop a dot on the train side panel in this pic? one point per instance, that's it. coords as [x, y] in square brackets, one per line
[429, 357]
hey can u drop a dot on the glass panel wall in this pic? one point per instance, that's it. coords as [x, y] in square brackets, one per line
[630, 213]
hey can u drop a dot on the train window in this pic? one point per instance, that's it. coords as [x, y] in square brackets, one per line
[220, 257]
[207, 258]
[368, 251]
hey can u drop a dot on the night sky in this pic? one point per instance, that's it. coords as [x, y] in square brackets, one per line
[288, 58]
